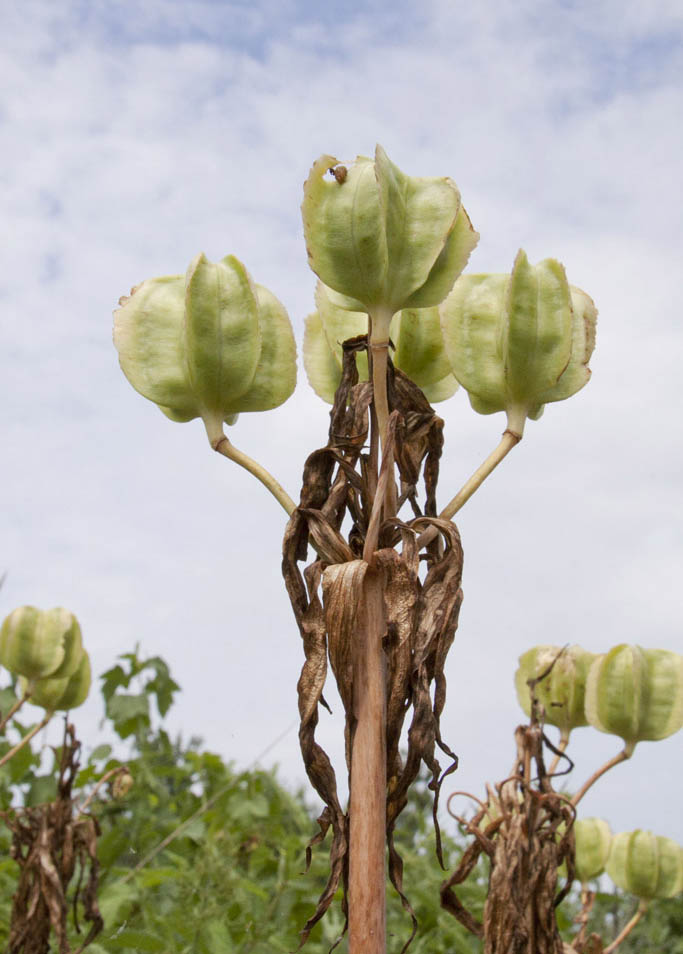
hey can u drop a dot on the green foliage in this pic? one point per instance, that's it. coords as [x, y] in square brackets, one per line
[199, 858]
[659, 932]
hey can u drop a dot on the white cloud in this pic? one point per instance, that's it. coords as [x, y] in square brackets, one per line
[134, 135]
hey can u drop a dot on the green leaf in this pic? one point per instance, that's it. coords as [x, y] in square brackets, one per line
[129, 713]
[112, 679]
[41, 790]
[20, 763]
[8, 698]
[137, 940]
[100, 752]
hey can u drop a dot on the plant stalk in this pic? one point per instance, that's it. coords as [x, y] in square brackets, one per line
[642, 908]
[621, 757]
[378, 354]
[13, 711]
[367, 808]
[223, 446]
[380, 321]
[509, 440]
[27, 738]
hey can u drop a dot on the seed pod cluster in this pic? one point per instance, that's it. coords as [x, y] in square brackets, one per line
[634, 693]
[646, 865]
[562, 690]
[517, 342]
[207, 344]
[383, 239]
[45, 649]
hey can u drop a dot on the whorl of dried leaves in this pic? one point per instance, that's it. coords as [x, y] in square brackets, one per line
[50, 843]
[421, 614]
[527, 842]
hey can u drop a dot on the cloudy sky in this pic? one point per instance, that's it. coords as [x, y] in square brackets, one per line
[135, 135]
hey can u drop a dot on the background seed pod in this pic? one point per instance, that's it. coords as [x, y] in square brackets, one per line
[37, 643]
[593, 840]
[415, 334]
[562, 692]
[646, 865]
[61, 694]
[636, 694]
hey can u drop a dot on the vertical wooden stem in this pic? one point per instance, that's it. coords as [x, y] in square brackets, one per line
[367, 876]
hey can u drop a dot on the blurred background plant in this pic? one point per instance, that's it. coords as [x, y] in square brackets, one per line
[198, 857]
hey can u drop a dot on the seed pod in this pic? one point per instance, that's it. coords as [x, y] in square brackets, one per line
[121, 784]
[517, 342]
[382, 238]
[562, 691]
[636, 694]
[415, 334]
[62, 694]
[37, 643]
[209, 344]
[593, 839]
[646, 865]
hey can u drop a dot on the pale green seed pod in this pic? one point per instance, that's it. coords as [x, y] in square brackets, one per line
[62, 694]
[38, 643]
[121, 785]
[517, 342]
[646, 865]
[562, 691]
[593, 840]
[636, 694]
[209, 344]
[415, 334]
[381, 238]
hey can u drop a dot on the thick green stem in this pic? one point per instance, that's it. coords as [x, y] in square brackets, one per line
[222, 445]
[378, 346]
[380, 320]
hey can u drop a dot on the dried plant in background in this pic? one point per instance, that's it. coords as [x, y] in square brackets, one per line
[52, 843]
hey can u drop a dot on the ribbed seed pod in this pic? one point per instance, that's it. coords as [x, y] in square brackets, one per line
[562, 691]
[61, 694]
[381, 238]
[415, 334]
[209, 344]
[646, 865]
[636, 694]
[517, 342]
[593, 840]
[36, 643]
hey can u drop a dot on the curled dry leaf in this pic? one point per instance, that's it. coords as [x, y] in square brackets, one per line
[421, 610]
